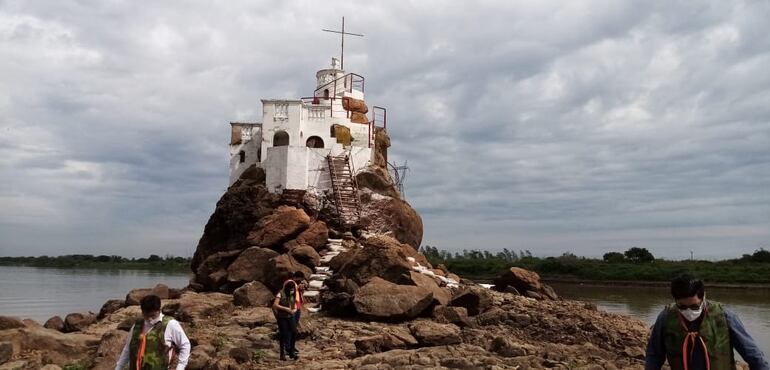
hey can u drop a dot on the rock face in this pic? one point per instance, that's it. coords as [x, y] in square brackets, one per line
[306, 255]
[243, 205]
[253, 264]
[382, 300]
[10, 323]
[474, 299]
[316, 235]
[391, 216]
[524, 282]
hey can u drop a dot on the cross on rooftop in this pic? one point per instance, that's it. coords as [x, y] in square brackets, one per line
[342, 36]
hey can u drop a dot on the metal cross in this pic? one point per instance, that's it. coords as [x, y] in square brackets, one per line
[342, 35]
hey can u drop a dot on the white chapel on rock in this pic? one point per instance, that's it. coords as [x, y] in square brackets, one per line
[314, 143]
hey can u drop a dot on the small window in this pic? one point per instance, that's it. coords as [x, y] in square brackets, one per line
[281, 138]
[326, 93]
[242, 156]
[315, 142]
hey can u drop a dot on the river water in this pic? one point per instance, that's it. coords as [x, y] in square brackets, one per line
[645, 303]
[39, 293]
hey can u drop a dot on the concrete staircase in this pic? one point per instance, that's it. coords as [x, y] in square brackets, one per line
[322, 272]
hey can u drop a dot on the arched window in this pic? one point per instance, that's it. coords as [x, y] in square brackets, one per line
[281, 138]
[242, 156]
[315, 142]
[326, 93]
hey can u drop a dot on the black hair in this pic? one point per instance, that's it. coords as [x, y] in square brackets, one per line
[299, 274]
[150, 303]
[687, 285]
[288, 289]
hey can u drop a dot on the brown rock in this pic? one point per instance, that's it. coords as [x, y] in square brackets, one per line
[243, 205]
[109, 307]
[78, 321]
[475, 299]
[110, 347]
[440, 295]
[380, 343]
[338, 304]
[240, 355]
[382, 300]
[429, 333]
[253, 294]
[199, 359]
[381, 145]
[201, 307]
[212, 272]
[7, 322]
[357, 117]
[493, 316]
[254, 264]
[316, 236]
[254, 317]
[391, 216]
[518, 278]
[53, 346]
[6, 351]
[283, 224]
[381, 256]
[354, 105]
[306, 255]
[135, 296]
[378, 180]
[54, 323]
[285, 267]
[451, 315]
[507, 348]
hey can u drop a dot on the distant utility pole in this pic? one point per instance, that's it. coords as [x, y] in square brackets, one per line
[342, 36]
[691, 256]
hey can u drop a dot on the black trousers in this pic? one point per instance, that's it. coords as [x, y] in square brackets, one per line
[287, 329]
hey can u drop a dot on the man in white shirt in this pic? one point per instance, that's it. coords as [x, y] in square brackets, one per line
[154, 341]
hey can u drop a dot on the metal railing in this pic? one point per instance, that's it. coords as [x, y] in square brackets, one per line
[379, 117]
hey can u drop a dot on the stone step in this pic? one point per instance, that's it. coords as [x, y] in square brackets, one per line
[312, 296]
[322, 269]
[315, 285]
[318, 277]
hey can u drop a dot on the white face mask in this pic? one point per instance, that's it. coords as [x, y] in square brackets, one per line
[692, 315]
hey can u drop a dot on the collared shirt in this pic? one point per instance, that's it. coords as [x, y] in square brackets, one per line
[739, 339]
[174, 337]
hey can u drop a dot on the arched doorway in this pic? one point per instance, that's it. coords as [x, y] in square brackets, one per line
[281, 138]
[315, 142]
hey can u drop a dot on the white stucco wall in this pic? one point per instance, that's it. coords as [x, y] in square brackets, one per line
[251, 137]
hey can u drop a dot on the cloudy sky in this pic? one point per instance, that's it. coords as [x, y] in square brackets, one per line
[548, 126]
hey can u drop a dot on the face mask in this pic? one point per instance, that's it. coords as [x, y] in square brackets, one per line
[692, 315]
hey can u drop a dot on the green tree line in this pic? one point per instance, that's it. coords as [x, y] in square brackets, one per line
[153, 262]
[635, 264]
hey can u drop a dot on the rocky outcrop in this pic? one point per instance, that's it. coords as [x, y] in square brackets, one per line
[474, 299]
[54, 323]
[524, 282]
[7, 322]
[161, 290]
[238, 211]
[382, 300]
[429, 333]
[109, 307]
[391, 216]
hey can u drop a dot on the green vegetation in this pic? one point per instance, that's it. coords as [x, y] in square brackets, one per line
[635, 264]
[154, 262]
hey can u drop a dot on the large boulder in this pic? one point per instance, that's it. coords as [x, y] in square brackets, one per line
[253, 294]
[430, 333]
[253, 264]
[381, 256]
[110, 347]
[392, 216]
[54, 323]
[378, 180]
[7, 322]
[243, 205]
[316, 235]
[524, 282]
[475, 299]
[109, 307]
[451, 315]
[285, 267]
[306, 255]
[338, 304]
[211, 274]
[440, 295]
[385, 301]
[51, 345]
[283, 224]
[135, 296]
[78, 321]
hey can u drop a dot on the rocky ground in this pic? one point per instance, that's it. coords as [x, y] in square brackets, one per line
[510, 332]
